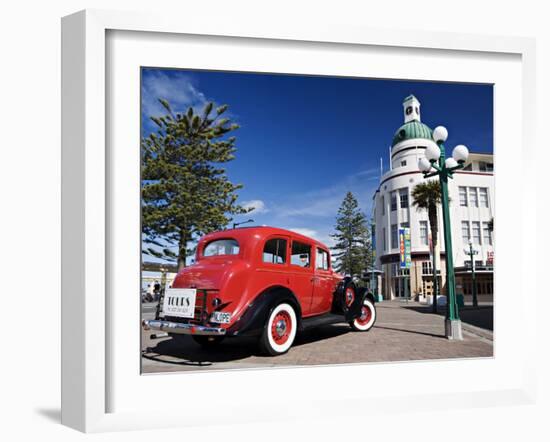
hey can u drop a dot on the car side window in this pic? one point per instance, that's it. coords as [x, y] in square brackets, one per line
[322, 260]
[301, 254]
[275, 251]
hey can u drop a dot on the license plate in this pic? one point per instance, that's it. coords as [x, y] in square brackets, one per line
[179, 302]
[220, 317]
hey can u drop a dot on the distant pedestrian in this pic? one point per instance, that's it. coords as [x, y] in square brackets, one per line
[156, 291]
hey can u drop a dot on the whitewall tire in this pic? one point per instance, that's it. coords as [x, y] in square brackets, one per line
[367, 319]
[280, 330]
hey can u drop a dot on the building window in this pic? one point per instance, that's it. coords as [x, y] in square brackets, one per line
[424, 233]
[483, 197]
[403, 163]
[485, 167]
[473, 196]
[476, 232]
[465, 231]
[404, 198]
[478, 264]
[384, 239]
[463, 196]
[487, 234]
[427, 268]
[394, 238]
[468, 167]
[382, 201]
[393, 197]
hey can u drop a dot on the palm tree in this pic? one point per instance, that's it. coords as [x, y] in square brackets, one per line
[427, 196]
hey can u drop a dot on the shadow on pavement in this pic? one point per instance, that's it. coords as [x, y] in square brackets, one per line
[186, 351]
[481, 316]
[411, 331]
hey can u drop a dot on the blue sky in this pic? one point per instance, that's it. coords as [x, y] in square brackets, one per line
[305, 141]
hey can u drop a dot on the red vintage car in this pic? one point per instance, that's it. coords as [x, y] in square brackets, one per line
[261, 281]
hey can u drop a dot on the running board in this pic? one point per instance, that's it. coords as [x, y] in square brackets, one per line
[316, 321]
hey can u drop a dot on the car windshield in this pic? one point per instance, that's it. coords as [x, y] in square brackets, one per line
[221, 247]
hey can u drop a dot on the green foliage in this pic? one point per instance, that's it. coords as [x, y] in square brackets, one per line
[185, 191]
[353, 243]
[427, 196]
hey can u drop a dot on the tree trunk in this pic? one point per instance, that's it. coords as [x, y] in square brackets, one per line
[182, 252]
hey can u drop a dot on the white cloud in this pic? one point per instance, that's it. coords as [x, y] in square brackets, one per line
[304, 231]
[257, 206]
[325, 202]
[370, 174]
[177, 88]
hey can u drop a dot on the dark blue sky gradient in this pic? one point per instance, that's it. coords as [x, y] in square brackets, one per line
[304, 138]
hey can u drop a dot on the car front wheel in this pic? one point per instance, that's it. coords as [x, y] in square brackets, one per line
[279, 331]
[367, 318]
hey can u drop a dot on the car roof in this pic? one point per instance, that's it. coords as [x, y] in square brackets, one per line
[262, 231]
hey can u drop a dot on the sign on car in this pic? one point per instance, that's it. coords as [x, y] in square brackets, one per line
[179, 302]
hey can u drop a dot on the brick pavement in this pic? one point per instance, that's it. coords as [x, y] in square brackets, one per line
[403, 332]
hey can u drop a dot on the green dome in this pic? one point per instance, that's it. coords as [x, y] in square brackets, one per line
[410, 130]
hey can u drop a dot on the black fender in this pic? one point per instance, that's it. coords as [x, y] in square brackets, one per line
[339, 302]
[354, 310]
[252, 321]
[370, 297]
[343, 284]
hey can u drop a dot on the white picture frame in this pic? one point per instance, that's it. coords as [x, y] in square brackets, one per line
[86, 315]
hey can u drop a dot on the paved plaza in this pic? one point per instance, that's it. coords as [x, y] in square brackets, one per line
[403, 332]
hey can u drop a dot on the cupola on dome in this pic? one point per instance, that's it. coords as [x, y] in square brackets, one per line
[413, 127]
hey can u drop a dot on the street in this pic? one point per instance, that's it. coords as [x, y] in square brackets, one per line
[403, 332]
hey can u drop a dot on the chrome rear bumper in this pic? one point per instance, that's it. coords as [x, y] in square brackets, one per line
[182, 329]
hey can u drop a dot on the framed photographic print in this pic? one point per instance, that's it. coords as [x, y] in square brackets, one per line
[250, 211]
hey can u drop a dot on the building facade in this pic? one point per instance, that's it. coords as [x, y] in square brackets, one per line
[471, 192]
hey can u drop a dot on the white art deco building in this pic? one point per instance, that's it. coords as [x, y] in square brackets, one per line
[471, 191]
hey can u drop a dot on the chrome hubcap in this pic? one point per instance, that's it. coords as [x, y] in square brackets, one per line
[280, 327]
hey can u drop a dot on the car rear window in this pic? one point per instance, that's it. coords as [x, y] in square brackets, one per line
[221, 247]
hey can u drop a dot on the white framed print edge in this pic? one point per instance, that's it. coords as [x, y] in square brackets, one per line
[86, 350]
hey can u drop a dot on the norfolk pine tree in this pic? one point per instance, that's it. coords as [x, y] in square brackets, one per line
[185, 193]
[352, 248]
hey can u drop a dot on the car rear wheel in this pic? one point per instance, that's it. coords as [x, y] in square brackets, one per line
[367, 318]
[279, 330]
